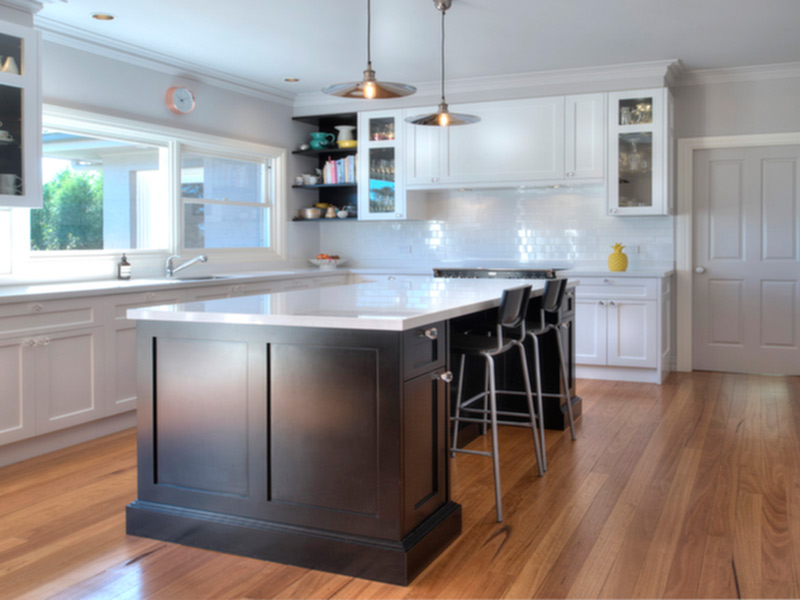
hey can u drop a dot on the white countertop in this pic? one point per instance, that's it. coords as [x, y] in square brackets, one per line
[379, 306]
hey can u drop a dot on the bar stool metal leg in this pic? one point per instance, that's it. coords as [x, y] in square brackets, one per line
[485, 400]
[495, 450]
[529, 397]
[565, 382]
[458, 405]
[537, 370]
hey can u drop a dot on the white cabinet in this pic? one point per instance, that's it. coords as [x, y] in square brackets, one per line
[515, 143]
[584, 136]
[17, 400]
[20, 114]
[120, 356]
[620, 325]
[381, 164]
[639, 161]
[231, 290]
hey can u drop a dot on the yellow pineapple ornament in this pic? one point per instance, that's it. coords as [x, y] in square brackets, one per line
[617, 260]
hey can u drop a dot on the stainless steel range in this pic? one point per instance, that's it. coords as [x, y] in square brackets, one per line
[501, 273]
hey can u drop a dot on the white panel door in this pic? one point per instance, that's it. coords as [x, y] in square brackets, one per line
[17, 401]
[632, 333]
[516, 140]
[69, 381]
[590, 332]
[746, 304]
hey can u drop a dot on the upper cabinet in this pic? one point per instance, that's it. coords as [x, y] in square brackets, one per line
[515, 143]
[381, 166]
[20, 114]
[639, 152]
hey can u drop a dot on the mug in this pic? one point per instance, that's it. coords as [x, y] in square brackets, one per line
[321, 140]
[10, 184]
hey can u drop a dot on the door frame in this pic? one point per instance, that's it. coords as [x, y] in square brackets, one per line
[684, 226]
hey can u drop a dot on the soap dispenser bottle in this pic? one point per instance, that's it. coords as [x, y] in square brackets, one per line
[124, 268]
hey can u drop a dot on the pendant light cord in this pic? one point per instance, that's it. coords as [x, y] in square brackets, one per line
[443, 14]
[369, 33]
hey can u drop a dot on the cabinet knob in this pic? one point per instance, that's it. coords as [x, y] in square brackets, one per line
[700, 270]
[434, 179]
[607, 281]
[601, 303]
[150, 296]
[613, 211]
[36, 308]
[612, 303]
[45, 341]
[431, 333]
[398, 215]
[570, 173]
[447, 376]
[30, 343]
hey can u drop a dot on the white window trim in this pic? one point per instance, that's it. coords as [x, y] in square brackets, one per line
[31, 266]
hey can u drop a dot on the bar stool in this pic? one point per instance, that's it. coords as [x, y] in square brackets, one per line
[552, 301]
[510, 333]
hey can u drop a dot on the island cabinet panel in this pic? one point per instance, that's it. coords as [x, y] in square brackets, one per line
[318, 418]
[425, 422]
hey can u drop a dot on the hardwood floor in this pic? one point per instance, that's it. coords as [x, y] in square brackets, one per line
[689, 489]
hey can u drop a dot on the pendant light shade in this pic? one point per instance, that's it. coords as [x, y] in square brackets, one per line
[443, 117]
[369, 88]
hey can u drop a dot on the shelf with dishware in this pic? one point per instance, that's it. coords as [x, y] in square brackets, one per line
[319, 186]
[326, 152]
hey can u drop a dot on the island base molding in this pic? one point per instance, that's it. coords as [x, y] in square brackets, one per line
[395, 562]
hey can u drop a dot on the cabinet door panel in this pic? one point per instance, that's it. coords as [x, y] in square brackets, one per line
[423, 150]
[632, 331]
[514, 141]
[585, 125]
[68, 379]
[590, 332]
[17, 402]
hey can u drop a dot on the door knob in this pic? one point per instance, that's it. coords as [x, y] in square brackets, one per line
[700, 270]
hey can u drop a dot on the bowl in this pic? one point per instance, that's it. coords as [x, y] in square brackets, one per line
[310, 213]
[326, 264]
[348, 143]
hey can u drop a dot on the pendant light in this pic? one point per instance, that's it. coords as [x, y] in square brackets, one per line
[443, 117]
[369, 88]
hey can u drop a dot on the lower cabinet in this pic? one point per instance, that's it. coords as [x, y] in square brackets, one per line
[17, 393]
[622, 328]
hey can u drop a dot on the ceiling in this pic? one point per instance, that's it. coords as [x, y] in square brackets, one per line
[324, 41]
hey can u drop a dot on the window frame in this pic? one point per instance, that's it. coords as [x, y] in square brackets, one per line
[30, 264]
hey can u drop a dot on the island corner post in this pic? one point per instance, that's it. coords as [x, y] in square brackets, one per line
[321, 448]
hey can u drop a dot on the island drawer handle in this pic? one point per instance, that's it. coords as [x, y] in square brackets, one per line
[431, 333]
[447, 376]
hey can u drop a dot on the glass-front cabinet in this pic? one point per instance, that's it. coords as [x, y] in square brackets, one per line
[381, 190]
[639, 152]
[20, 117]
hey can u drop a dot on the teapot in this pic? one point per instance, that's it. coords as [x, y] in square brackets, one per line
[321, 140]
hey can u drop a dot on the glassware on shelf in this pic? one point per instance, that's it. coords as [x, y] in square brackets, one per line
[636, 111]
[381, 130]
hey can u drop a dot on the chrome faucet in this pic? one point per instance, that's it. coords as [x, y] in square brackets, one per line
[172, 270]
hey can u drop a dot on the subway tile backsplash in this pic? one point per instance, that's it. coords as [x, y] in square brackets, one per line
[493, 226]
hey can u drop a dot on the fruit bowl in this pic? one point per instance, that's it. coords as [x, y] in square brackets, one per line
[326, 264]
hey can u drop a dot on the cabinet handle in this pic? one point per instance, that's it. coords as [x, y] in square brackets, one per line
[398, 216]
[612, 303]
[431, 333]
[447, 376]
[30, 343]
[392, 277]
[607, 281]
[613, 211]
[150, 296]
[36, 308]
[434, 179]
[570, 174]
[601, 303]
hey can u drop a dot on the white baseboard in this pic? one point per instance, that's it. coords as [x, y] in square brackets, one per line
[42, 444]
[619, 374]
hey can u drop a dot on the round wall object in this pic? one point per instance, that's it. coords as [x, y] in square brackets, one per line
[180, 100]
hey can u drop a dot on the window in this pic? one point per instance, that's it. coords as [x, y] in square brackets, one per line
[101, 194]
[225, 201]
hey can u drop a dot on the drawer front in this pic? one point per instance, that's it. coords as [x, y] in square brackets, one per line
[32, 317]
[424, 349]
[617, 287]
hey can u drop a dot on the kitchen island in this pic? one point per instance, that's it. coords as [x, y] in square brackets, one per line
[306, 427]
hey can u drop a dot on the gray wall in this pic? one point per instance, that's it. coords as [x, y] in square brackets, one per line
[81, 80]
[766, 106]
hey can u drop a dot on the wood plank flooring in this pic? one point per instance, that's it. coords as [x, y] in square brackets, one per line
[689, 489]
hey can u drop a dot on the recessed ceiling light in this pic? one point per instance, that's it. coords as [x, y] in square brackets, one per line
[103, 16]
[291, 79]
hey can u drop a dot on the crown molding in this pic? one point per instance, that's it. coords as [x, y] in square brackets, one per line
[740, 74]
[73, 37]
[496, 87]
[30, 6]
